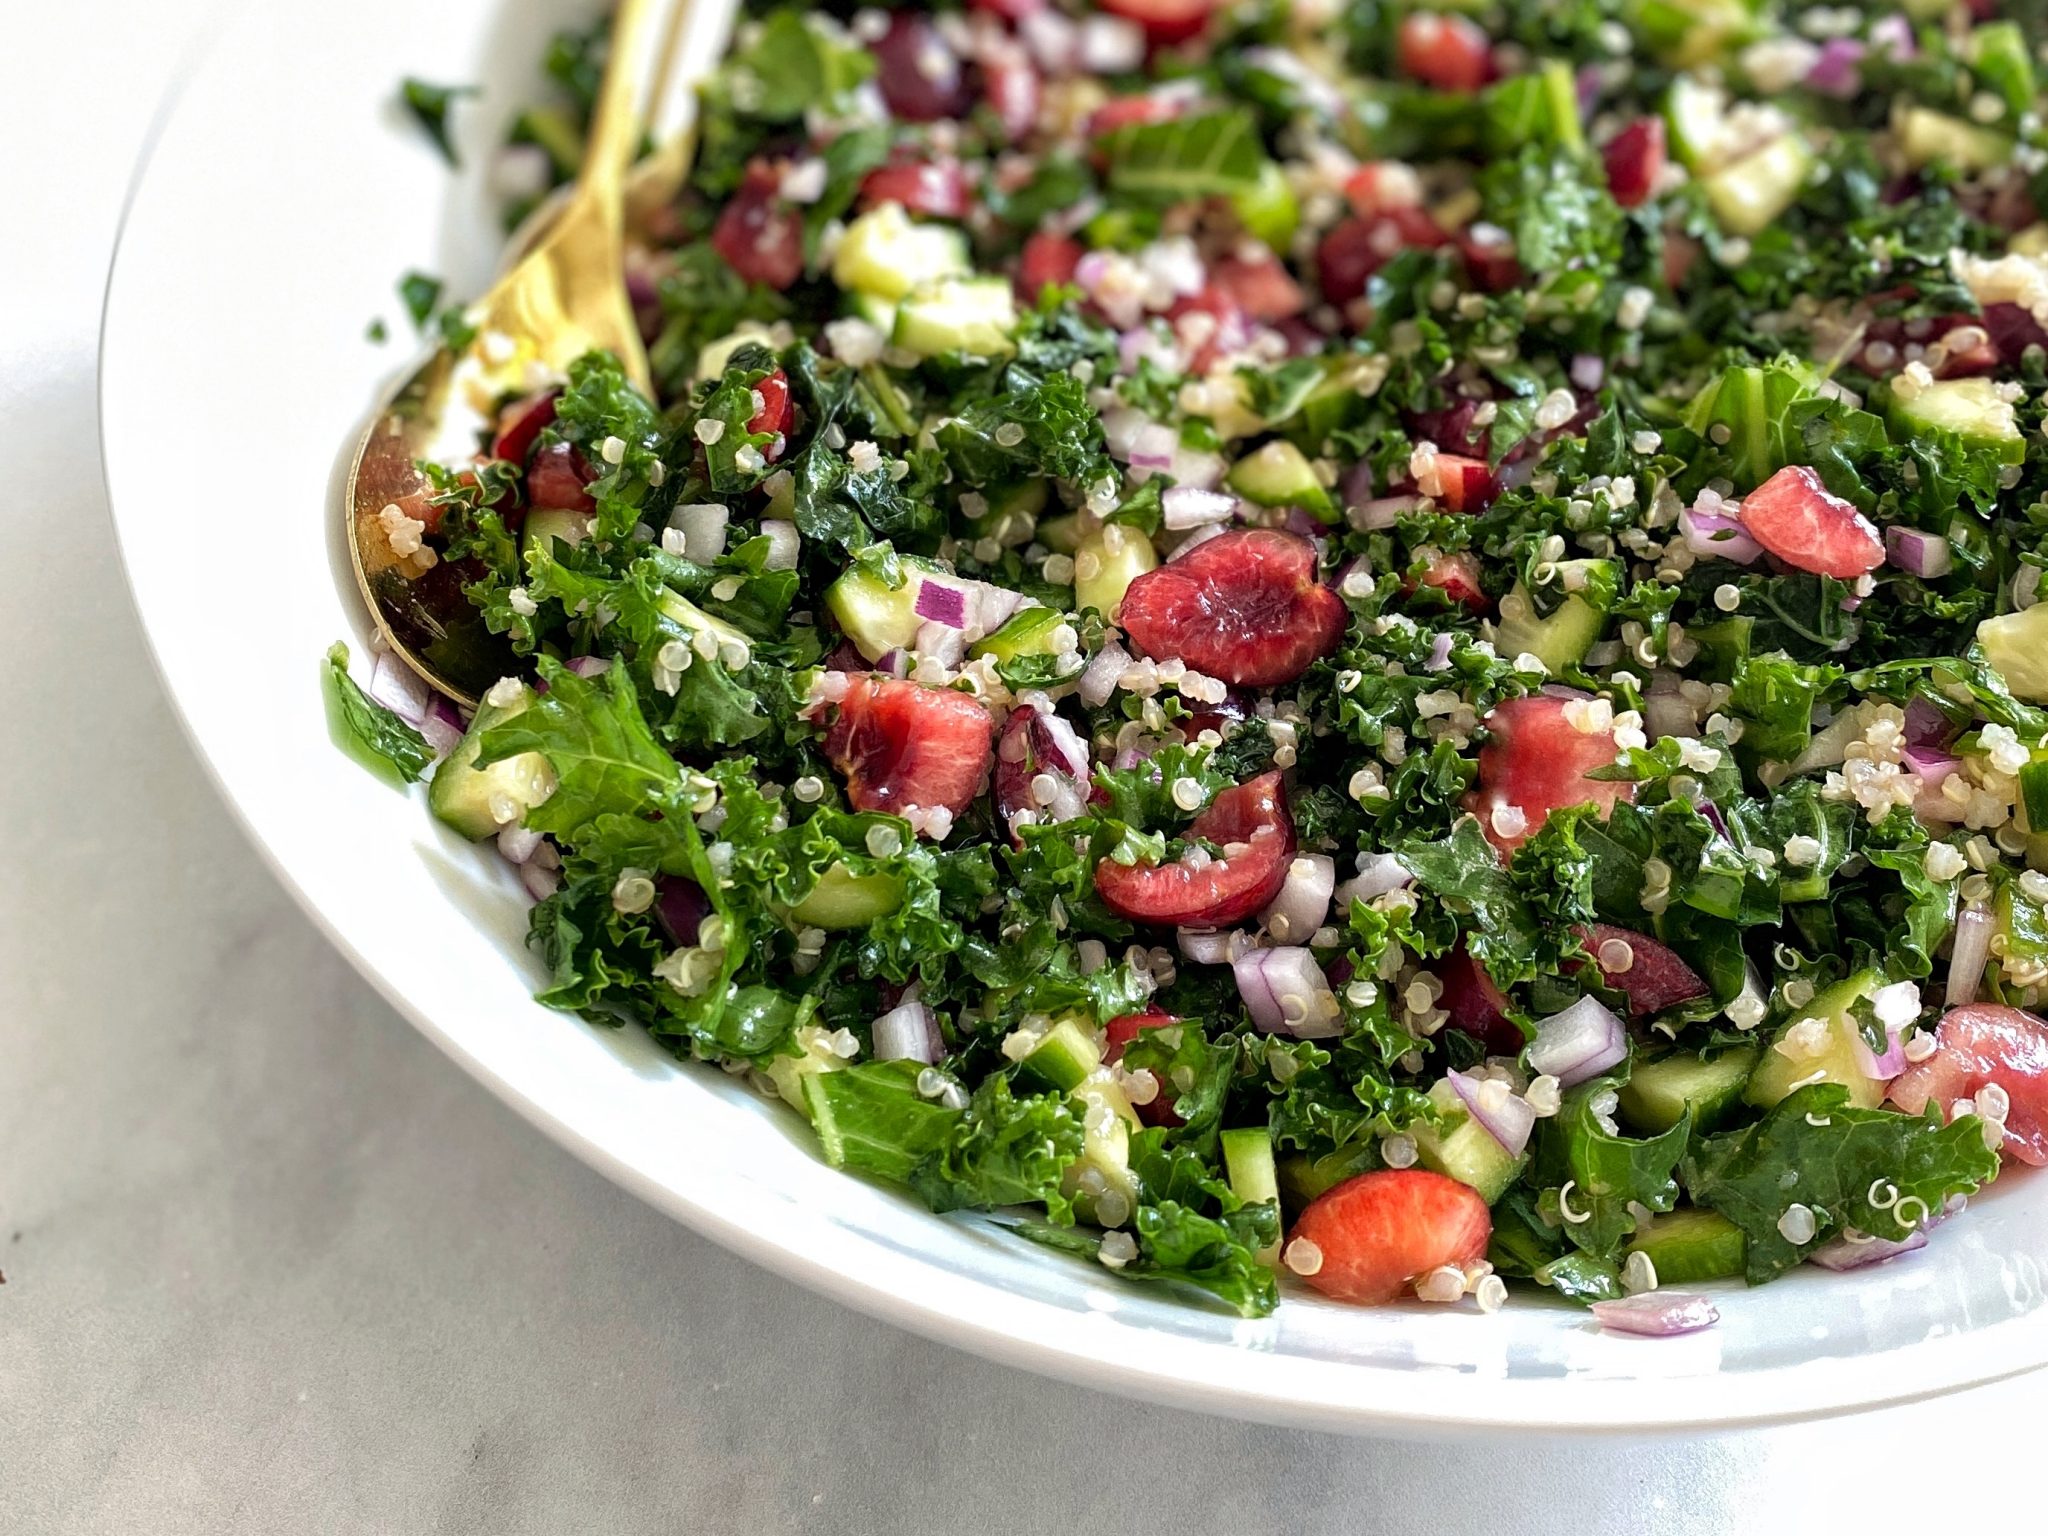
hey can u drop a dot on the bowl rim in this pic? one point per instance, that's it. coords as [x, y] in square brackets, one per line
[1329, 1395]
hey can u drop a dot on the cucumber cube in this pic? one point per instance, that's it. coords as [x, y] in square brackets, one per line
[1658, 1093]
[1690, 1246]
[1064, 1056]
[479, 802]
[1927, 137]
[842, 899]
[1106, 564]
[971, 315]
[1280, 475]
[885, 255]
[1820, 1043]
[1750, 194]
[1970, 408]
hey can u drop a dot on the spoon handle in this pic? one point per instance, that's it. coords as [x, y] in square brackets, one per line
[614, 135]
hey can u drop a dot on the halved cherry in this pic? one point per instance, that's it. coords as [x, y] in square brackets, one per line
[937, 189]
[1015, 93]
[1046, 259]
[520, 423]
[1379, 186]
[1009, 10]
[1490, 259]
[1452, 428]
[1244, 606]
[1651, 976]
[1377, 1233]
[1475, 1004]
[1042, 769]
[776, 415]
[2013, 330]
[920, 76]
[1981, 1044]
[1118, 1033]
[556, 479]
[1634, 160]
[1535, 761]
[1122, 111]
[1803, 523]
[1456, 575]
[760, 236]
[1355, 248]
[1250, 826]
[1460, 484]
[901, 744]
[1224, 330]
[1263, 289]
[1164, 21]
[1451, 53]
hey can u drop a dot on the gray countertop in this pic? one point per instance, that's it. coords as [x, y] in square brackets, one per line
[272, 1263]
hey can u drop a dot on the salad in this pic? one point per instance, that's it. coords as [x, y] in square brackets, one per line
[1307, 646]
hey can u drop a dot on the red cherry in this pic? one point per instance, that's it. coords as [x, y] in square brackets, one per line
[1475, 1004]
[901, 744]
[1803, 523]
[1118, 1033]
[1263, 289]
[1164, 21]
[1355, 248]
[760, 236]
[1456, 575]
[919, 75]
[1380, 1231]
[1249, 823]
[1047, 259]
[520, 423]
[1490, 259]
[1244, 606]
[936, 189]
[1122, 111]
[1464, 485]
[1981, 1044]
[1014, 92]
[776, 415]
[1038, 744]
[1635, 160]
[1451, 53]
[1535, 761]
[1654, 978]
[556, 479]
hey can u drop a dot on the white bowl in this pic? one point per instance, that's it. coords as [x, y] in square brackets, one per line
[281, 201]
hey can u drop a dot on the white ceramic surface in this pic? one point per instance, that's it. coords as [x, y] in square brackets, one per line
[281, 200]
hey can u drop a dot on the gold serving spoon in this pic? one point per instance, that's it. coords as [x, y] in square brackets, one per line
[563, 297]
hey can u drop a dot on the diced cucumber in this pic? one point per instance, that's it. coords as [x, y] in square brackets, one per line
[2016, 645]
[1105, 1141]
[1692, 1245]
[1064, 1056]
[971, 315]
[884, 254]
[1927, 137]
[1280, 475]
[1304, 1179]
[713, 356]
[558, 523]
[1248, 1163]
[1230, 410]
[1012, 516]
[789, 1073]
[1106, 564]
[1837, 1049]
[1467, 1152]
[479, 802]
[1028, 632]
[1686, 33]
[1268, 210]
[880, 313]
[680, 610]
[2002, 61]
[2023, 924]
[843, 899]
[1572, 629]
[1658, 1093]
[877, 617]
[1696, 119]
[1970, 408]
[1749, 195]
[1061, 534]
[1538, 108]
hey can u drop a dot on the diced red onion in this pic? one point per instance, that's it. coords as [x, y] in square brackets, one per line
[784, 543]
[942, 643]
[1715, 536]
[1286, 993]
[1382, 872]
[1196, 467]
[1893, 35]
[1834, 72]
[1972, 946]
[1668, 714]
[1439, 653]
[441, 726]
[1153, 445]
[588, 666]
[1587, 85]
[1357, 485]
[1186, 506]
[1916, 553]
[680, 906]
[1581, 1042]
[1304, 899]
[1509, 1122]
[993, 608]
[942, 603]
[702, 525]
[1588, 370]
[1111, 45]
[1099, 681]
[1065, 742]
[1657, 1314]
[1120, 424]
[517, 843]
[1200, 535]
[1846, 1253]
[1380, 512]
[908, 1032]
[1932, 764]
[398, 688]
[1206, 946]
[540, 882]
[1896, 1006]
[895, 663]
